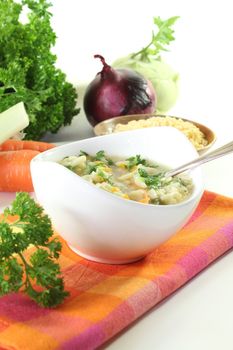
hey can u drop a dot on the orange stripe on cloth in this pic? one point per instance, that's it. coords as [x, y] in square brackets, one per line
[20, 336]
[105, 298]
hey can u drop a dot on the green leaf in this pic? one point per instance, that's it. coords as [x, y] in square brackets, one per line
[11, 274]
[28, 71]
[32, 228]
[159, 41]
[152, 181]
[134, 161]
[83, 153]
[100, 155]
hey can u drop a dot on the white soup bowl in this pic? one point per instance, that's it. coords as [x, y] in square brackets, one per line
[99, 225]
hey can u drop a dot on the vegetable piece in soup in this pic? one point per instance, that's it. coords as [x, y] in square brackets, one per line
[133, 178]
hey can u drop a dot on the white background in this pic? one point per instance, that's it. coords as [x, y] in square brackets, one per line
[201, 53]
[198, 316]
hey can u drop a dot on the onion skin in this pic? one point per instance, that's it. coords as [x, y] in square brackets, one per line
[163, 77]
[115, 92]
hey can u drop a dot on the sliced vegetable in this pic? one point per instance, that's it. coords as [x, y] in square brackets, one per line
[116, 92]
[12, 121]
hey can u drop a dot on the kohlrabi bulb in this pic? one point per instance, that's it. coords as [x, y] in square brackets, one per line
[163, 78]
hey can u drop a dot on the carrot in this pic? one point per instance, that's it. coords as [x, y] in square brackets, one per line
[146, 199]
[15, 172]
[15, 145]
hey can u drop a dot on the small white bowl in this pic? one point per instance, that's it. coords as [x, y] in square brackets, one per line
[99, 225]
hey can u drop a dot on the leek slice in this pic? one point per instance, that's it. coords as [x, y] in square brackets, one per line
[12, 121]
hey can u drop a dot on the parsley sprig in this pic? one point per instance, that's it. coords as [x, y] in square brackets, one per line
[100, 155]
[159, 41]
[134, 161]
[152, 181]
[39, 274]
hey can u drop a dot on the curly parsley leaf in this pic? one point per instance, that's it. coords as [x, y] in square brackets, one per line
[28, 71]
[39, 274]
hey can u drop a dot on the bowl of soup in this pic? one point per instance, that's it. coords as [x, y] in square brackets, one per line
[109, 196]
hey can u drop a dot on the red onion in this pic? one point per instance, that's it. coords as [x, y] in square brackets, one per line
[116, 92]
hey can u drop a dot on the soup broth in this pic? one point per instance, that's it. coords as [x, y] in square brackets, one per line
[134, 178]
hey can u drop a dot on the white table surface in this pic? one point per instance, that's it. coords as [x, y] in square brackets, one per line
[200, 314]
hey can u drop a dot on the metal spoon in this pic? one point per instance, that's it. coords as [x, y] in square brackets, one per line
[219, 152]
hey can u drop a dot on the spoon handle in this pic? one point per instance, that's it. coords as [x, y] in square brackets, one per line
[219, 152]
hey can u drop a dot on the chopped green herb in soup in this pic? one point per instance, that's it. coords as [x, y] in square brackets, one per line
[133, 178]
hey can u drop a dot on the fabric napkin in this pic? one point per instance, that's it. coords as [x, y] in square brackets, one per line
[107, 298]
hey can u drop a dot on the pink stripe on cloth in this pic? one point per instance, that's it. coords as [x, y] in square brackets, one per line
[228, 232]
[193, 262]
[117, 320]
[88, 340]
[197, 259]
[18, 307]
